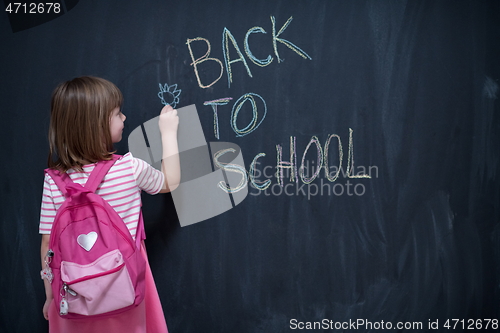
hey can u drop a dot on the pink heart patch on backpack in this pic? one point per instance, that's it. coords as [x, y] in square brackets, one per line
[87, 241]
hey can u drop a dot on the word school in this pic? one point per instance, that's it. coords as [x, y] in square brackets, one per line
[293, 169]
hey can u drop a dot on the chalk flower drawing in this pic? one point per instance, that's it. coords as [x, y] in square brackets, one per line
[169, 95]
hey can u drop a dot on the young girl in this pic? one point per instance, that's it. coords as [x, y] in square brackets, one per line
[85, 122]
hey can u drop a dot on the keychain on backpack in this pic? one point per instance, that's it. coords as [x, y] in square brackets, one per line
[46, 272]
[63, 306]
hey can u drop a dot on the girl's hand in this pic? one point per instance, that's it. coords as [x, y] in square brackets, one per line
[46, 308]
[169, 121]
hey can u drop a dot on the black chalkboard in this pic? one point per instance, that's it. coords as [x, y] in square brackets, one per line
[403, 95]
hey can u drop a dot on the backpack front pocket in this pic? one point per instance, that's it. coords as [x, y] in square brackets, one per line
[99, 287]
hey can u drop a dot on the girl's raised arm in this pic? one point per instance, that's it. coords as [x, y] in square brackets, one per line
[168, 123]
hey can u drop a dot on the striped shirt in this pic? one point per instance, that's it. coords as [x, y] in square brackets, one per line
[121, 188]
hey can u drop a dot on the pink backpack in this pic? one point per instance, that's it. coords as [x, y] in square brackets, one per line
[98, 269]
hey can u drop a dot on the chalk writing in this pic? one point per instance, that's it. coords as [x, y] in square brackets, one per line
[202, 59]
[307, 175]
[214, 103]
[254, 123]
[341, 155]
[290, 45]
[281, 165]
[172, 94]
[252, 126]
[258, 184]
[304, 170]
[232, 168]
[306, 180]
[258, 62]
[226, 36]
[350, 159]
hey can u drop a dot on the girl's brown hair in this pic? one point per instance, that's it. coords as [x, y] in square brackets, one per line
[79, 122]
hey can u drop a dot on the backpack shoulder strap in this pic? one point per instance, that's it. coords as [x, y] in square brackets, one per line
[140, 234]
[60, 178]
[100, 170]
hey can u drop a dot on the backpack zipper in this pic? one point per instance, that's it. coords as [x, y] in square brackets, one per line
[69, 290]
[89, 277]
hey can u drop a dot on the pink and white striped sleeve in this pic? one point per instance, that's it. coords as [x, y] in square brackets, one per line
[48, 209]
[148, 178]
